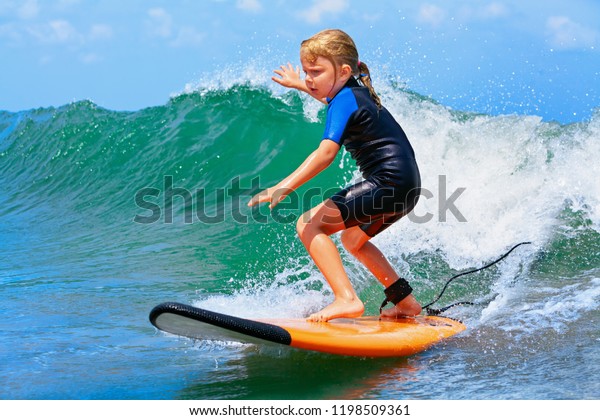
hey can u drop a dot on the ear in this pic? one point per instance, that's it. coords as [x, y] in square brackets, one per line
[345, 71]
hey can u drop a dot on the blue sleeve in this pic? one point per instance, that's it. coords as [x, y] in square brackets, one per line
[338, 114]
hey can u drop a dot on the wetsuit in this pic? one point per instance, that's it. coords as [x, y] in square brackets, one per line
[392, 182]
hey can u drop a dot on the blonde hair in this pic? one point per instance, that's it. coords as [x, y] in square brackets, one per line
[337, 46]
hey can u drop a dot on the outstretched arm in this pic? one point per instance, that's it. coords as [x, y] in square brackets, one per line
[312, 165]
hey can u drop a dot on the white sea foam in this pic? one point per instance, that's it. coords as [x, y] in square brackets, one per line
[273, 297]
[518, 174]
[525, 309]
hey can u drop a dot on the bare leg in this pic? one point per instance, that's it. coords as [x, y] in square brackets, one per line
[357, 242]
[314, 228]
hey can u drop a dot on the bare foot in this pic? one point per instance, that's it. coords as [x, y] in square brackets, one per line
[406, 307]
[340, 308]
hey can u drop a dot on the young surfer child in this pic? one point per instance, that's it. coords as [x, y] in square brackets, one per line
[391, 186]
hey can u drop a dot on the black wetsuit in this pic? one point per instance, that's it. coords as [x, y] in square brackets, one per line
[392, 182]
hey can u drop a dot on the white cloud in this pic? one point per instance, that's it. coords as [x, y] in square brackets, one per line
[160, 23]
[55, 32]
[432, 15]
[23, 9]
[315, 13]
[566, 34]
[11, 33]
[29, 9]
[188, 37]
[90, 58]
[371, 17]
[65, 4]
[249, 5]
[46, 59]
[61, 31]
[482, 12]
[100, 32]
[494, 10]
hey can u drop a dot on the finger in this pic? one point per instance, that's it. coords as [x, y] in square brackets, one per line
[277, 80]
[274, 202]
[261, 197]
[277, 198]
[253, 201]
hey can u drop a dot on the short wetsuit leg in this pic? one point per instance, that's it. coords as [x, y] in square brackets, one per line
[374, 206]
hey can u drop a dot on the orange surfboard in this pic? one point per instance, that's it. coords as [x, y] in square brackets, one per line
[365, 336]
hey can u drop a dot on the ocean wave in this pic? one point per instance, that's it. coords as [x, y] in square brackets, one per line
[492, 181]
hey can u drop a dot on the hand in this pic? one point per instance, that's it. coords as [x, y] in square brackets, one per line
[273, 196]
[289, 77]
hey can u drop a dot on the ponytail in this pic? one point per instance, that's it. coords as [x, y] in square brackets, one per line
[365, 78]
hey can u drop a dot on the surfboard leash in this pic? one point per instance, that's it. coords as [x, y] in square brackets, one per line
[432, 311]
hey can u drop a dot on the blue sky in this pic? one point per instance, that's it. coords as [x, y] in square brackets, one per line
[537, 57]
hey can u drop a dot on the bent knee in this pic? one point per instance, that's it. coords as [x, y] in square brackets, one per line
[304, 225]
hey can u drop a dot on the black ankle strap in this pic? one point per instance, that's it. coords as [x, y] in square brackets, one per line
[396, 292]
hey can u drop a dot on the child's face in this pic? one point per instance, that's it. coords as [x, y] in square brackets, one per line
[322, 79]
